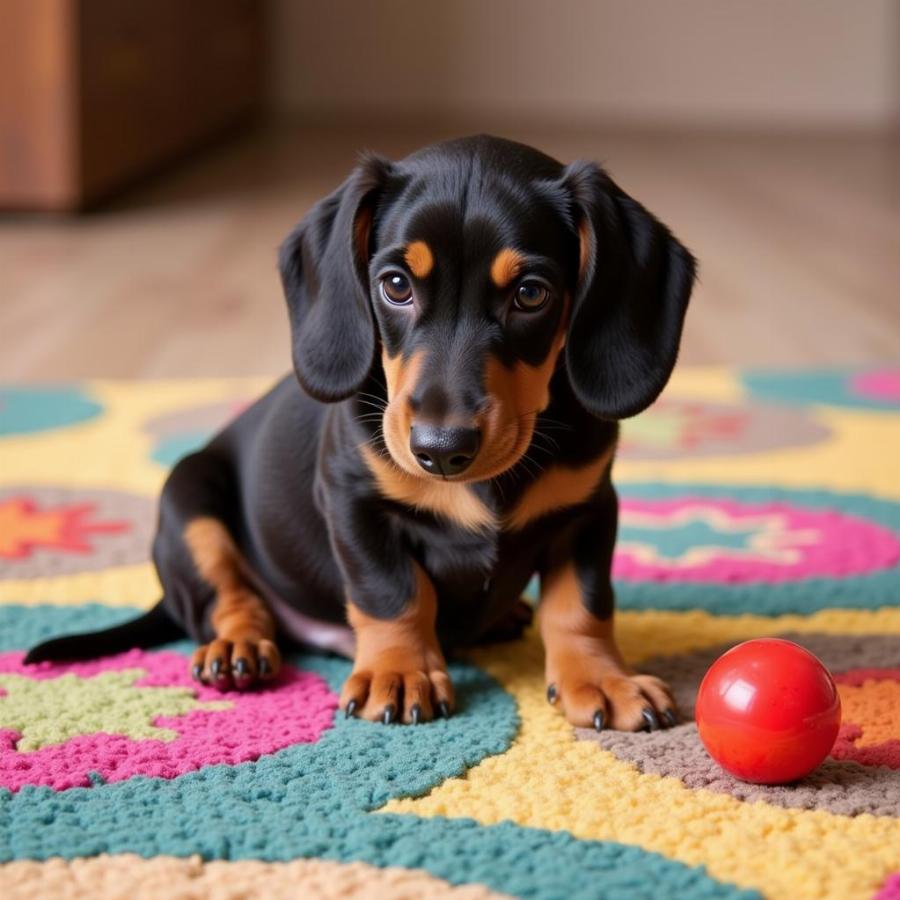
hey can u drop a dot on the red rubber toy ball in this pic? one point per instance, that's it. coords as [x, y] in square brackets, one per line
[768, 711]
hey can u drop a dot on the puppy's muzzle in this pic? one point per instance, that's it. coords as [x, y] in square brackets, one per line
[444, 451]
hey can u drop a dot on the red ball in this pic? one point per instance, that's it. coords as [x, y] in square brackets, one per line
[768, 711]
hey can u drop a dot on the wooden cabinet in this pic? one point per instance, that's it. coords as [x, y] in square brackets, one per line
[95, 92]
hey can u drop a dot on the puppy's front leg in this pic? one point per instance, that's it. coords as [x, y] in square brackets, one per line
[243, 651]
[399, 672]
[586, 675]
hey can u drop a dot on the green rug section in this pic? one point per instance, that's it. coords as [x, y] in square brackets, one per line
[51, 710]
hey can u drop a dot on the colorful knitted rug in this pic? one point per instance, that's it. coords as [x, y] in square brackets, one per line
[752, 503]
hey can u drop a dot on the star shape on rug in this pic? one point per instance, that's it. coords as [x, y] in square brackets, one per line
[48, 711]
[697, 534]
[24, 527]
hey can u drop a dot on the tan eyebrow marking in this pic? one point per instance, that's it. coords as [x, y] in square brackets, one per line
[506, 265]
[419, 258]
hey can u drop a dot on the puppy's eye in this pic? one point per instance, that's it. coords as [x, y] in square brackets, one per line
[531, 296]
[396, 289]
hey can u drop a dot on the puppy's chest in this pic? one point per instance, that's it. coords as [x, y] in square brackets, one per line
[476, 567]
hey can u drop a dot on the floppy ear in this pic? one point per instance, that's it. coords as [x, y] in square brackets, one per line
[634, 282]
[324, 266]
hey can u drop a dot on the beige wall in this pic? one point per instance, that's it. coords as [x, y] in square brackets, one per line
[690, 62]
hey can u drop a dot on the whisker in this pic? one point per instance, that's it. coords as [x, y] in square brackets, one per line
[550, 454]
[381, 406]
[527, 463]
[546, 437]
[553, 424]
[534, 462]
[371, 396]
[513, 474]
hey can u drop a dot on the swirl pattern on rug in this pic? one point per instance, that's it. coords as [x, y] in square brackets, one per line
[769, 550]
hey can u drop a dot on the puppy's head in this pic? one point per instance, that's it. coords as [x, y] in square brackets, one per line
[471, 271]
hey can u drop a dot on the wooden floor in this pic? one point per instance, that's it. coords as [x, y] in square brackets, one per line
[798, 238]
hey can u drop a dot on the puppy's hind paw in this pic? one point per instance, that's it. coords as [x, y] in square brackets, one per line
[237, 665]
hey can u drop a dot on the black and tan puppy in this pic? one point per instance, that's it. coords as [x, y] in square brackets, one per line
[468, 326]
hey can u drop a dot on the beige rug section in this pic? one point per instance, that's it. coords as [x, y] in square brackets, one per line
[131, 877]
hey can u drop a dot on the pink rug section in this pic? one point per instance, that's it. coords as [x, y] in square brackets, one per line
[890, 889]
[882, 384]
[887, 753]
[296, 709]
[791, 543]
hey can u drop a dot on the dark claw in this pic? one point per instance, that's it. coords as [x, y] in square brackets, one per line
[444, 708]
[241, 668]
[651, 721]
[416, 714]
[197, 671]
[216, 667]
[388, 715]
[350, 710]
[264, 667]
[599, 720]
[551, 693]
[670, 718]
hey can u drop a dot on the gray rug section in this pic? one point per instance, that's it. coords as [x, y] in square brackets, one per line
[838, 786]
[842, 787]
[839, 653]
[717, 429]
[126, 547]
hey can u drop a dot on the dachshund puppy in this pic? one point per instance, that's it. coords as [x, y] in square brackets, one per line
[468, 326]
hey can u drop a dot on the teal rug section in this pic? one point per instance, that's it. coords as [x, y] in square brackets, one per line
[320, 800]
[34, 409]
[864, 389]
[169, 450]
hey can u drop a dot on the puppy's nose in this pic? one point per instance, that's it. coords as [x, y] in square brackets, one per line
[444, 451]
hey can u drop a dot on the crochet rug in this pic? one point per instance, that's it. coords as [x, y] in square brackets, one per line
[753, 503]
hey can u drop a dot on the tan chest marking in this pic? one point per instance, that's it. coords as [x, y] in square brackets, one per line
[557, 488]
[456, 502]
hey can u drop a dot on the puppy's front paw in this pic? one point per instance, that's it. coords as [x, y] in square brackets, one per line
[395, 690]
[612, 700]
[235, 664]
